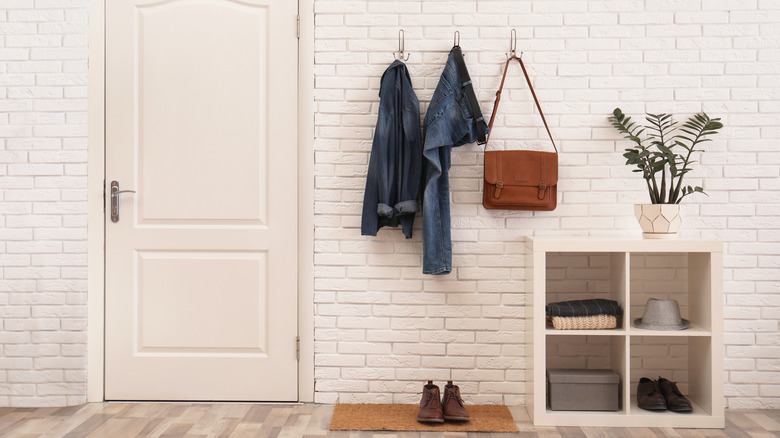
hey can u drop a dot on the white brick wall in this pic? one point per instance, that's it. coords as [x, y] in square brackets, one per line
[43, 202]
[382, 327]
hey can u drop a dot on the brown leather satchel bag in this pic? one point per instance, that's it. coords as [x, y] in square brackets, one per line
[520, 180]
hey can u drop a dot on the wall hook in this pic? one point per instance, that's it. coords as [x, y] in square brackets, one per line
[399, 55]
[513, 46]
[456, 39]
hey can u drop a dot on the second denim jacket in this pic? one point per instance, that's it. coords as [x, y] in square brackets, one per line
[449, 122]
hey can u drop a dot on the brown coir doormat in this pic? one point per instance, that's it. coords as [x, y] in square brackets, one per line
[484, 418]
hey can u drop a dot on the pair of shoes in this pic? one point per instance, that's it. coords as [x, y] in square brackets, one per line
[436, 410]
[661, 394]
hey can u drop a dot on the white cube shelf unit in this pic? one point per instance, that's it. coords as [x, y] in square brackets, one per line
[698, 350]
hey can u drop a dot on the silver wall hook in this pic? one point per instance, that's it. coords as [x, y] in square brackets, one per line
[456, 39]
[513, 46]
[399, 55]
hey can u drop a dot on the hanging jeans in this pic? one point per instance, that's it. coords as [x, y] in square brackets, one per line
[395, 164]
[453, 119]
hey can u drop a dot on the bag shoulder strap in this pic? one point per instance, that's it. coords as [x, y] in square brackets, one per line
[536, 100]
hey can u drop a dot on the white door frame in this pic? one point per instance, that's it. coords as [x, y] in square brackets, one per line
[96, 229]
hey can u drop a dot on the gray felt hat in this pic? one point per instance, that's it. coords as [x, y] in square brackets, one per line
[662, 315]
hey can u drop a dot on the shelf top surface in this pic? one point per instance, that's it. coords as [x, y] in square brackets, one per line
[632, 331]
[622, 244]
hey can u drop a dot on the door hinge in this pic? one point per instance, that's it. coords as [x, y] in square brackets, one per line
[298, 347]
[298, 24]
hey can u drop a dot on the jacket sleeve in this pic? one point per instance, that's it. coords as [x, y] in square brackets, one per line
[370, 222]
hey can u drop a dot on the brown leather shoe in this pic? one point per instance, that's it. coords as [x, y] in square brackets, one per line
[453, 404]
[430, 405]
[649, 396]
[675, 401]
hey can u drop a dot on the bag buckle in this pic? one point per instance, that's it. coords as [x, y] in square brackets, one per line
[499, 186]
[542, 189]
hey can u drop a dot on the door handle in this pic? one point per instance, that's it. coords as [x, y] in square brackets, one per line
[115, 192]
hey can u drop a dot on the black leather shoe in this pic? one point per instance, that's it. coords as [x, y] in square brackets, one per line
[649, 396]
[675, 401]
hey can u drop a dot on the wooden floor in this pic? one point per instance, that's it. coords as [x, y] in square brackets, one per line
[191, 420]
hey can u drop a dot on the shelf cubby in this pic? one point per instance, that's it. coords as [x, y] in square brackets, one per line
[685, 361]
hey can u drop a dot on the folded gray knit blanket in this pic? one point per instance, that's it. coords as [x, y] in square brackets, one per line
[596, 306]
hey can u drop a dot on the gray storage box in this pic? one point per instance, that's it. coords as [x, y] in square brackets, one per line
[583, 390]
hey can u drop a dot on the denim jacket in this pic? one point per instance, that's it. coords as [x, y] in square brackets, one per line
[448, 123]
[395, 164]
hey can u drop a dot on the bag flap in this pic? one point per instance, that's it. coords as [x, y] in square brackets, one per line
[521, 168]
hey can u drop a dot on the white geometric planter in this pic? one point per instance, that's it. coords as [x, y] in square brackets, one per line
[658, 221]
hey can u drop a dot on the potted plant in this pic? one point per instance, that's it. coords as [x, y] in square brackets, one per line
[662, 153]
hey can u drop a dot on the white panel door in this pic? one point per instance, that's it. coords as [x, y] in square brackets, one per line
[201, 265]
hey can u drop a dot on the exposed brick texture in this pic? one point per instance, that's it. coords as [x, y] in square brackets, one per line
[43, 202]
[383, 327]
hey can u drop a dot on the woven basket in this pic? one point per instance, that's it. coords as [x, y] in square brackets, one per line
[593, 322]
